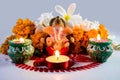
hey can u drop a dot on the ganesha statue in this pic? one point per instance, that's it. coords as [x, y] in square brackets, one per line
[57, 39]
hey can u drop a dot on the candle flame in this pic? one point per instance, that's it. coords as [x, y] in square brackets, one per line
[57, 54]
[98, 37]
[21, 40]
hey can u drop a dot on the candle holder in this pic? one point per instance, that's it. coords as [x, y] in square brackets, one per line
[57, 63]
[20, 52]
[99, 51]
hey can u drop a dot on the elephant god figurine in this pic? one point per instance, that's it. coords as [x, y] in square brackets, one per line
[57, 39]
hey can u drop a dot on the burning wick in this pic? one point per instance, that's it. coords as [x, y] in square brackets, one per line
[22, 40]
[98, 38]
[57, 54]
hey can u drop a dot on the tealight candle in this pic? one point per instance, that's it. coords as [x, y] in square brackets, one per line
[99, 49]
[98, 39]
[57, 61]
[18, 41]
[20, 50]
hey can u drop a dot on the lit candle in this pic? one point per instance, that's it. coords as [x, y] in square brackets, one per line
[99, 49]
[20, 50]
[18, 41]
[22, 40]
[57, 61]
[57, 54]
[99, 39]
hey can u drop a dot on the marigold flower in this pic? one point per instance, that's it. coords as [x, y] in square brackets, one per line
[24, 28]
[4, 47]
[103, 31]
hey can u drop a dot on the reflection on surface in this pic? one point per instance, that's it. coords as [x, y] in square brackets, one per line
[4, 60]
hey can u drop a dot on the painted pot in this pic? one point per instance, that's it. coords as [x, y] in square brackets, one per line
[20, 52]
[99, 51]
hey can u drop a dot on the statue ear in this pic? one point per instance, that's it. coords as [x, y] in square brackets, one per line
[51, 21]
[63, 22]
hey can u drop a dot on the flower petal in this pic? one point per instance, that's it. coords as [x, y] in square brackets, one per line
[94, 25]
[45, 18]
[60, 10]
[71, 9]
[86, 25]
[75, 19]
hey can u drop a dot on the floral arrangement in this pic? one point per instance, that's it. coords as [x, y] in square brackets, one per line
[75, 31]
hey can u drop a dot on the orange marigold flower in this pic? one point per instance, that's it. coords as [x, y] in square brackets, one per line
[92, 33]
[77, 33]
[4, 47]
[38, 39]
[103, 31]
[85, 40]
[24, 28]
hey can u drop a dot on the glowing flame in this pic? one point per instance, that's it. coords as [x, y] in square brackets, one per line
[22, 40]
[98, 37]
[57, 53]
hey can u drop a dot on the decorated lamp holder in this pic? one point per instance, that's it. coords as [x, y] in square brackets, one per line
[20, 52]
[99, 51]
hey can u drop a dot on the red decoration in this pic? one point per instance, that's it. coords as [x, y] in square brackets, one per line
[63, 65]
[73, 60]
